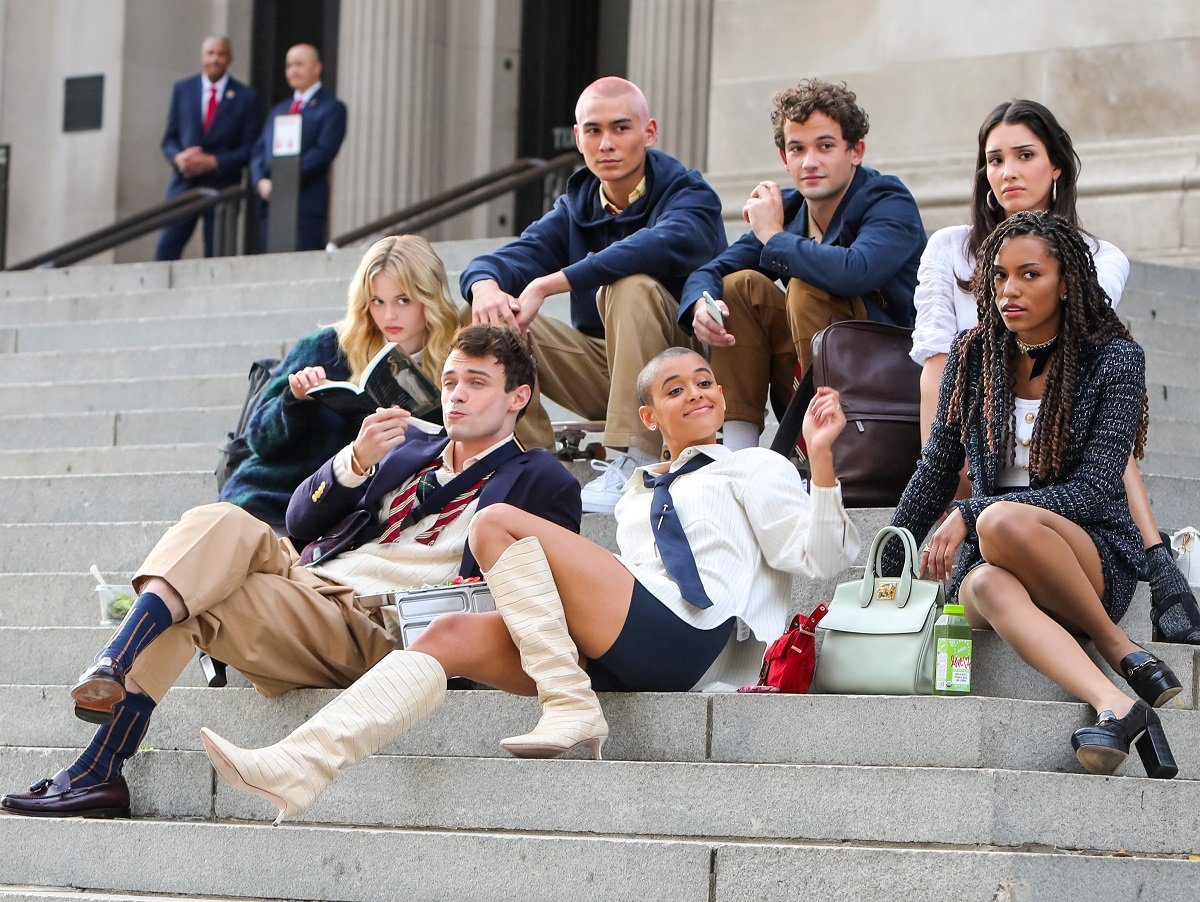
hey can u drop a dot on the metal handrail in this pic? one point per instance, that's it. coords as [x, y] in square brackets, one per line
[190, 203]
[440, 207]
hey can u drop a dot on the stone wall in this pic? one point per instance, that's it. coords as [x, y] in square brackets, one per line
[1124, 79]
[432, 90]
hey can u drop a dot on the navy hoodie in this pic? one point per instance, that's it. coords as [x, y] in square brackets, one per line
[673, 229]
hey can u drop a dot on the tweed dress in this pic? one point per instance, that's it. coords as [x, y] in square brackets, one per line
[1090, 492]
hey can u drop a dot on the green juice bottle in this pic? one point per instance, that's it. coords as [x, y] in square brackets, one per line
[952, 652]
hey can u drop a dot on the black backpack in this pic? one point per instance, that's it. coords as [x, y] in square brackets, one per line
[234, 450]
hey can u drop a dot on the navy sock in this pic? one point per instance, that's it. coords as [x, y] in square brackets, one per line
[113, 743]
[148, 618]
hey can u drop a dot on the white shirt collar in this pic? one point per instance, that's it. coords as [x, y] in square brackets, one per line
[448, 458]
[219, 85]
[306, 96]
[716, 452]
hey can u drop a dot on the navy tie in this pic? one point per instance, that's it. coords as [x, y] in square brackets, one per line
[673, 545]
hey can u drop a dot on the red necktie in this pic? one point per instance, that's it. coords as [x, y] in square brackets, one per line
[295, 107]
[407, 500]
[211, 109]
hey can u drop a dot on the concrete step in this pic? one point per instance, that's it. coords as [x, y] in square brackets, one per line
[106, 428]
[1174, 436]
[37, 655]
[354, 865]
[1158, 335]
[979, 732]
[396, 865]
[116, 547]
[132, 333]
[1172, 369]
[1173, 402]
[12, 893]
[1175, 500]
[107, 496]
[1171, 464]
[107, 277]
[53, 599]
[125, 363]
[125, 459]
[206, 300]
[687, 800]
[144, 393]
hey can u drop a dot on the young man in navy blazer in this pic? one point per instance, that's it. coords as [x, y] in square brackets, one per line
[845, 243]
[222, 581]
[322, 128]
[211, 128]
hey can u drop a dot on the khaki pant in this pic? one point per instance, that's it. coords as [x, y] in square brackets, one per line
[596, 378]
[773, 330]
[252, 606]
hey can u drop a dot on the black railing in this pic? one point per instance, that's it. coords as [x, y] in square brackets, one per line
[183, 206]
[227, 201]
[440, 207]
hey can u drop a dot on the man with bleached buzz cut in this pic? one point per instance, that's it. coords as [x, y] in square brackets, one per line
[623, 238]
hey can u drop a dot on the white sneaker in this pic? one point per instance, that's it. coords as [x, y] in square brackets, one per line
[601, 494]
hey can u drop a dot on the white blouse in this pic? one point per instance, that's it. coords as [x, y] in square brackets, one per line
[751, 525]
[944, 309]
[1016, 474]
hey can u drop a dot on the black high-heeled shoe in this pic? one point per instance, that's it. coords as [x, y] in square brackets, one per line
[1104, 746]
[1150, 678]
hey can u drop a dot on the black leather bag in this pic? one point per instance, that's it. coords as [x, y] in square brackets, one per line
[234, 450]
[880, 385]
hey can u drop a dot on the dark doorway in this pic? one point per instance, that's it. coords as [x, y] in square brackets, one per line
[280, 24]
[564, 47]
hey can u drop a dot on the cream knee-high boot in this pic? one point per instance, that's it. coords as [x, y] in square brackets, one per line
[394, 695]
[527, 599]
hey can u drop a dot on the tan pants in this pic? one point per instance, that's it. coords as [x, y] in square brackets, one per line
[252, 606]
[773, 330]
[596, 378]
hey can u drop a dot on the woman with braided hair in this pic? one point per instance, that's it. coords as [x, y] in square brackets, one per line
[1026, 161]
[1045, 400]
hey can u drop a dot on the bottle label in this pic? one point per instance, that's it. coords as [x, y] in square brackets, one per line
[952, 665]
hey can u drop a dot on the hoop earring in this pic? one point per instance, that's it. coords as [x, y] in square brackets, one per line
[653, 427]
[991, 202]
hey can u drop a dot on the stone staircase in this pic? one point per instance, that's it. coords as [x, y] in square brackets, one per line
[118, 382]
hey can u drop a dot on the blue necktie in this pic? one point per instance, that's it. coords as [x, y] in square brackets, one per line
[672, 542]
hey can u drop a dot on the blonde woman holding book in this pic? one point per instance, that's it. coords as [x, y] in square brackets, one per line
[398, 294]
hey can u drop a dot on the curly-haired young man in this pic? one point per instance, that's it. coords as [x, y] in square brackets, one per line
[845, 244]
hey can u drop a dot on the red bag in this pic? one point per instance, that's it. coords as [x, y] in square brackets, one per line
[789, 663]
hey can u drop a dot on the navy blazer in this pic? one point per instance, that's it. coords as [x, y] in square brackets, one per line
[536, 482]
[870, 250]
[322, 129]
[230, 138]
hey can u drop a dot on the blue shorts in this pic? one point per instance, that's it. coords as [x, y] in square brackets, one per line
[656, 651]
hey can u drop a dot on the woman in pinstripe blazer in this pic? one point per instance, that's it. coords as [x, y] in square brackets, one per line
[1045, 399]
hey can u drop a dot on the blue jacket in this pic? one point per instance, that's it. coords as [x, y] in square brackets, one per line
[665, 234]
[871, 250]
[322, 128]
[536, 482]
[230, 138]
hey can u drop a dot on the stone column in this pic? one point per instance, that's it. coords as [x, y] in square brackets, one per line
[670, 52]
[389, 77]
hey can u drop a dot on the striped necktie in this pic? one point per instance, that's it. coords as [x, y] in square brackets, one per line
[423, 484]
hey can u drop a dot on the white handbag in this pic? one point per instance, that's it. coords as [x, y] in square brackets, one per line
[877, 638]
[1186, 544]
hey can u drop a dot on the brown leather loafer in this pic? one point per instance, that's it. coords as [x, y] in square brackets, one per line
[46, 798]
[98, 689]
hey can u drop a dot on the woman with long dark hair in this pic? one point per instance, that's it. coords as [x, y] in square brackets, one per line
[1026, 161]
[1045, 401]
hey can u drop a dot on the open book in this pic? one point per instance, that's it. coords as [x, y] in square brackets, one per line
[391, 378]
